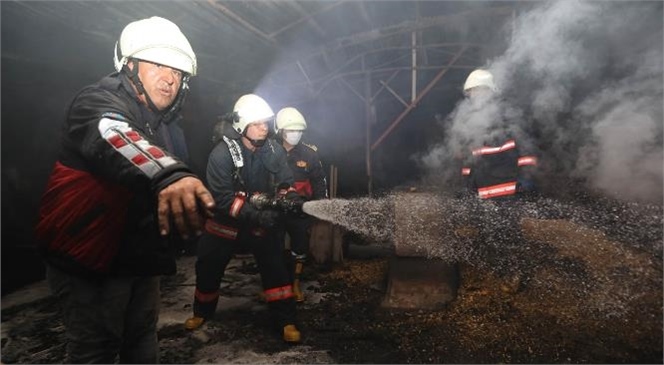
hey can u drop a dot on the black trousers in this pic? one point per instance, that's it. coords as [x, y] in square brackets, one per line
[299, 230]
[213, 255]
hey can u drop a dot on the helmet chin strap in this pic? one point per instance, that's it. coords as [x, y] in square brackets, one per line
[165, 116]
[169, 115]
[133, 76]
[255, 142]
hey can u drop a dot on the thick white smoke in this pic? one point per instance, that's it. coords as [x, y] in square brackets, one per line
[584, 79]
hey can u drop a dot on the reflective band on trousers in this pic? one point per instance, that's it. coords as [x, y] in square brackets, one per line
[465, 171]
[497, 190]
[220, 230]
[280, 293]
[206, 297]
[528, 161]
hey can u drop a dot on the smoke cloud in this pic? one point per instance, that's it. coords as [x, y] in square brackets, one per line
[584, 81]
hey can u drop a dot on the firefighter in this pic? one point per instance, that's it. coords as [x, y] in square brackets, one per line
[500, 167]
[120, 177]
[500, 172]
[245, 162]
[309, 182]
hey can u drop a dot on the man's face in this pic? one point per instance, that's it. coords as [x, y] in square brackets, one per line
[161, 83]
[257, 130]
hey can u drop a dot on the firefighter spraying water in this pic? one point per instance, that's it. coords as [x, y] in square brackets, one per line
[441, 226]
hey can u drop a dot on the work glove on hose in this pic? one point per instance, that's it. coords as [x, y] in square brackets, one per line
[294, 202]
[267, 218]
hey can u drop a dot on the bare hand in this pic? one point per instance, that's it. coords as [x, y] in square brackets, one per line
[180, 200]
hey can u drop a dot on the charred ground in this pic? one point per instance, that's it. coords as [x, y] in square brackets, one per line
[344, 323]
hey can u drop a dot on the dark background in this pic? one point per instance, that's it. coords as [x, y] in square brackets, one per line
[319, 56]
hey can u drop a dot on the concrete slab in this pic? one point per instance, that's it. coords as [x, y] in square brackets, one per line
[413, 280]
[419, 283]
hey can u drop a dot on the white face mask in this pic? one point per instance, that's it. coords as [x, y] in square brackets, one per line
[292, 137]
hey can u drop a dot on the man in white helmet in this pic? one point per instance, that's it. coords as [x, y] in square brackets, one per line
[245, 163]
[118, 197]
[309, 182]
[500, 170]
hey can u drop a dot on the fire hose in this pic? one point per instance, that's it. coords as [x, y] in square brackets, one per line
[281, 203]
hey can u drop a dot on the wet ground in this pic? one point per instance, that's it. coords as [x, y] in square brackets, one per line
[542, 320]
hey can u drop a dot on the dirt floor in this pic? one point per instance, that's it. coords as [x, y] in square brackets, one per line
[492, 320]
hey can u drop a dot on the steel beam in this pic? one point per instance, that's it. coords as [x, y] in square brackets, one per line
[419, 97]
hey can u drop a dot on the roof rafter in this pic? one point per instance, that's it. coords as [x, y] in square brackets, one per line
[404, 27]
[229, 13]
[305, 17]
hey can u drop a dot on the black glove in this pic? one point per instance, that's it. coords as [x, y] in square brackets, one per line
[294, 202]
[295, 197]
[268, 218]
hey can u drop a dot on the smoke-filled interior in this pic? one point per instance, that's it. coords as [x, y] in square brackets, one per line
[583, 80]
[380, 83]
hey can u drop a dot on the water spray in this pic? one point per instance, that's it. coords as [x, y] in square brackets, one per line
[605, 253]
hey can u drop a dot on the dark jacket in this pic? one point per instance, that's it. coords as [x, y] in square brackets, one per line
[98, 214]
[262, 172]
[307, 171]
[502, 167]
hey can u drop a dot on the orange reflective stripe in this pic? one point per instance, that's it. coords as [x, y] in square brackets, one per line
[220, 230]
[489, 150]
[280, 293]
[236, 206]
[206, 297]
[497, 190]
[465, 171]
[528, 161]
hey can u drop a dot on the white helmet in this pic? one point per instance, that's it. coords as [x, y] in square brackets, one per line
[291, 119]
[479, 78]
[156, 40]
[250, 108]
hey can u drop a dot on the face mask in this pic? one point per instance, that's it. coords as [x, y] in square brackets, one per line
[292, 137]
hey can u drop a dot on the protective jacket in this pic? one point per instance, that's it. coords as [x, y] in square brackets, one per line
[235, 173]
[98, 214]
[500, 168]
[307, 171]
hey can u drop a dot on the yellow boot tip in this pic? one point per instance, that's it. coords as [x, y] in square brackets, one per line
[291, 334]
[193, 323]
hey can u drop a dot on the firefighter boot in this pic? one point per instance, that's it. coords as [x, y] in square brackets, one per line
[291, 334]
[194, 323]
[297, 290]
